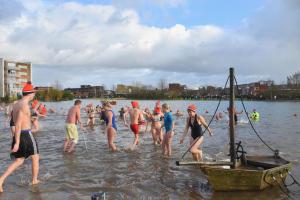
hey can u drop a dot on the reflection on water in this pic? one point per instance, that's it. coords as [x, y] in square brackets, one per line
[145, 173]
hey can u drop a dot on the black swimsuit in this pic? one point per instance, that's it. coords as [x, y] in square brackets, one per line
[11, 123]
[196, 128]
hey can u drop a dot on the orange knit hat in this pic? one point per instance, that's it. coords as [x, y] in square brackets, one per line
[28, 88]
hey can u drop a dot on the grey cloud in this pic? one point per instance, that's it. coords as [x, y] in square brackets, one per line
[110, 47]
[10, 10]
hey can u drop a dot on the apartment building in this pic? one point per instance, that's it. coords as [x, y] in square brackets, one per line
[13, 76]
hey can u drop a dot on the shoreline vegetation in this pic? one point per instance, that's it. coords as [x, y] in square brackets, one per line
[51, 95]
[273, 94]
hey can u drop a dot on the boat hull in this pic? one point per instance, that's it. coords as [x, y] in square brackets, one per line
[252, 176]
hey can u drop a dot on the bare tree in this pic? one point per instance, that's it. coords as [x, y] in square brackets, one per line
[57, 85]
[162, 84]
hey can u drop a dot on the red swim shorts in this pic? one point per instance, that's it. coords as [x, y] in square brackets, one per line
[134, 128]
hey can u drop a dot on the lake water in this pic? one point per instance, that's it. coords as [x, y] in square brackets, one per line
[145, 173]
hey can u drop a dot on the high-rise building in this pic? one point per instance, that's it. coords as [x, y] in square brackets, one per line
[13, 76]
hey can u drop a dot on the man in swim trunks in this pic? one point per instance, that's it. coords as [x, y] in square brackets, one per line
[24, 144]
[73, 118]
[136, 115]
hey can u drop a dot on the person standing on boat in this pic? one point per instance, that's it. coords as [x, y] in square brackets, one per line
[111, 126]
[24, 144]
[195, 122]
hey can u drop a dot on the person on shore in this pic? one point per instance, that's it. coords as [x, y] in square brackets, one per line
[24, 144]
[195, 122]
[169, 130]
[111, 126]
[136, 115]
[73, 118]
[156, 130]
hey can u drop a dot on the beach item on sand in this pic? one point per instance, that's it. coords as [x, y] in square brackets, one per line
[243, 172]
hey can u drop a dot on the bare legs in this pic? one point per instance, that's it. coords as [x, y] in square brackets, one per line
[157, 135]
[167, 143]
[196, 152]
[69, 145]
[35, 169]
[111, 134]
[136, 141]
[17, 163]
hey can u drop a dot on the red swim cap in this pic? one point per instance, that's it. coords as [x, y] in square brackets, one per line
[43, 110]
[34, 103]
[192, 107]
[28, 88]
[135, 104]
[157, 110]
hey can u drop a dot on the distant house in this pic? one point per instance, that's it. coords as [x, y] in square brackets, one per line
[294, 80]
[124, 90]
[176, 89]
[254, 89]
[43, 88]
[87, 91]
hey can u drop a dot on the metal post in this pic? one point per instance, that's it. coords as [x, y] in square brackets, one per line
[231, 120]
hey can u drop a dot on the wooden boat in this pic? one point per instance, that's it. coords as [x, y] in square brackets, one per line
[243, 172]
[258, 173]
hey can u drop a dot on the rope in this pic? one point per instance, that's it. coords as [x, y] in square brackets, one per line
[195, 141]
[283, 190]
[275, 151]
[294, 179]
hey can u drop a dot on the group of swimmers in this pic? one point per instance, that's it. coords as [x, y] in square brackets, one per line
[23, 122]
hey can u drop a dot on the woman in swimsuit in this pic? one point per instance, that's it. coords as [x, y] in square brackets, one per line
[156, 130]
[195, 122]
[111, 127]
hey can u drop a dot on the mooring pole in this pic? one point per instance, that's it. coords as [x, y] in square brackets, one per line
[231, 120]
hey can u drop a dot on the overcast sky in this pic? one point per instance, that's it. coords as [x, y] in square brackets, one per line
[192, 42]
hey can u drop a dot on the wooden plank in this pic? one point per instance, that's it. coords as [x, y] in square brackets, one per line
[178, 163]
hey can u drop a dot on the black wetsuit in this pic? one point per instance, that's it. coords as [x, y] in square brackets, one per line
[196, 128]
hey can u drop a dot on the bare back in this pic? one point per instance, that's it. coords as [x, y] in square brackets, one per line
[134, 115]
[73, 115]
[21, 115]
